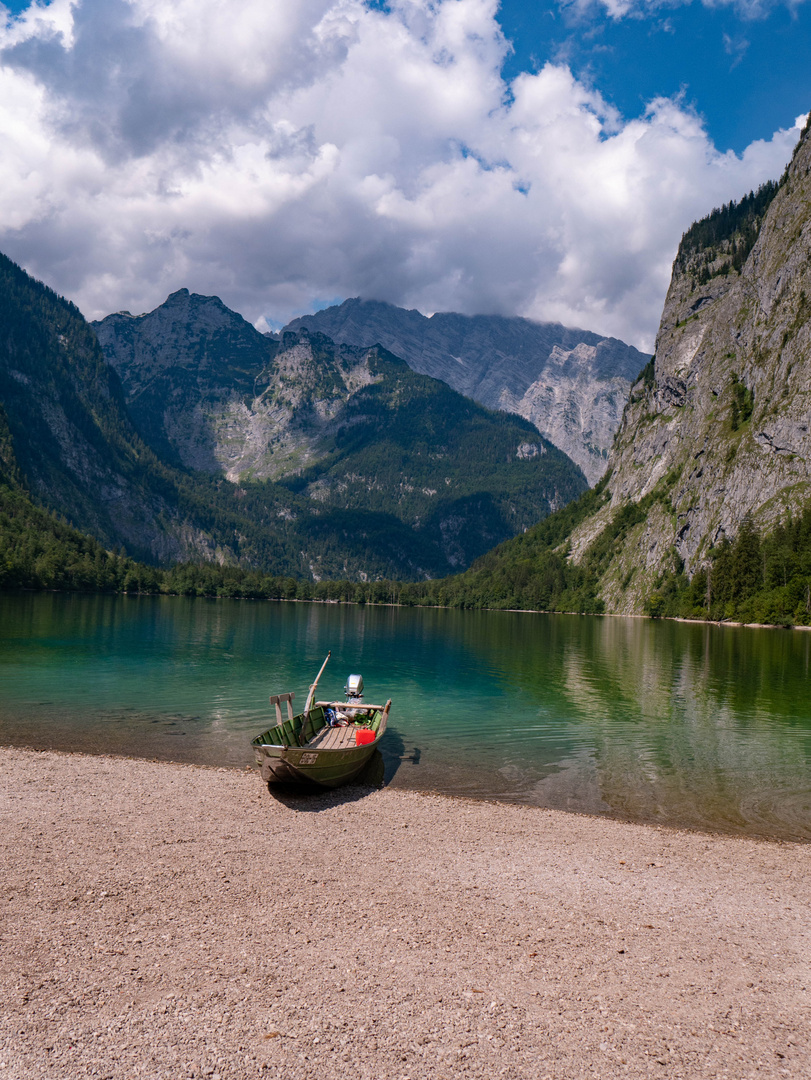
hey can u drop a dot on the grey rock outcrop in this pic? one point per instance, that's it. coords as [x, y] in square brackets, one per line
[571, 384]
[206, 388]
[719, 430]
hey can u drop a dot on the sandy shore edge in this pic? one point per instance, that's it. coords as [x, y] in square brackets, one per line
[169, 921]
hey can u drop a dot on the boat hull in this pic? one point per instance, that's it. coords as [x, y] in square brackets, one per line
[305, 752]
[287, 766]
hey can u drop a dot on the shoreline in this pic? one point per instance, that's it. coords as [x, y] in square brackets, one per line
[423, 607]
[710, 831]
[179, 921]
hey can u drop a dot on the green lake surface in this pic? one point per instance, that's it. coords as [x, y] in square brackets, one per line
[682, 724]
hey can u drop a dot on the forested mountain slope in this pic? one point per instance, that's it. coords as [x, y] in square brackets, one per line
[67, 428]
[410, 481]
[571, 384]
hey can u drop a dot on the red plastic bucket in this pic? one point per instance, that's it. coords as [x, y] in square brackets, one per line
[364, 737]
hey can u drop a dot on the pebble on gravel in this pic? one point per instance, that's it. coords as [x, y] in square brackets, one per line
[172, 922]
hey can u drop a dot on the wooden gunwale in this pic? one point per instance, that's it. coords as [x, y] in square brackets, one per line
[346, 706]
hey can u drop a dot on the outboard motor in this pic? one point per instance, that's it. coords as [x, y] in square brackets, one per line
[354, 689]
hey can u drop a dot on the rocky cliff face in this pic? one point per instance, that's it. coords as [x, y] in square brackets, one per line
[719, 428]
[209, 391]
[188, 369]
[571, 384]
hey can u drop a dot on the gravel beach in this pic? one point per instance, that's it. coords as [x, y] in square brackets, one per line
[170, 921]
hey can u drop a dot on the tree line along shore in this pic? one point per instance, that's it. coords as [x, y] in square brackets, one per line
[759, 577]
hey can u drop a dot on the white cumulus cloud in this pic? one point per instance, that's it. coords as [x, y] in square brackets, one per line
[282, 154]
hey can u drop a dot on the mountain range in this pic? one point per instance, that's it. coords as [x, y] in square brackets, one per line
[345, 428]
[191, 435]
[208, 441]
[571, 384]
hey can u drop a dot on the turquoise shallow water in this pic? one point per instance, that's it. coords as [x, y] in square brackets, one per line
[694, 725]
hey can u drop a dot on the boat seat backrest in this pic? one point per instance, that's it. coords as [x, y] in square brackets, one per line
[277, 699]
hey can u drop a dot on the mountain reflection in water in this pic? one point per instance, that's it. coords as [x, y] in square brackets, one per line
[680, 724]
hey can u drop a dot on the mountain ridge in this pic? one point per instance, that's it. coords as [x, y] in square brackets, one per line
[571, 384]
[67, 440]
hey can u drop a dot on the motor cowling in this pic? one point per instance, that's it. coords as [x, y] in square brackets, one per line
[354, 686]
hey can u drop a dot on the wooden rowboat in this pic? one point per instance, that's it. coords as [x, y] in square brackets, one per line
[305, 751]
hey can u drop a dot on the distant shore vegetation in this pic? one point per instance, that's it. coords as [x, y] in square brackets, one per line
[755, 578]
[759, 577]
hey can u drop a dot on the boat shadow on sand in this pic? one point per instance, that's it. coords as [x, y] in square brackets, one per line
[377, 773]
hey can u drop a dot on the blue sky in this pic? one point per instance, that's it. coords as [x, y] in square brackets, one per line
[523, 158]
[745, 68]
[745, 75]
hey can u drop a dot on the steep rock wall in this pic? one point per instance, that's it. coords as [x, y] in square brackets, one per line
[719, 430]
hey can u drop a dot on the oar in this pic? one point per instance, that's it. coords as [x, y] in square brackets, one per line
[311, 695]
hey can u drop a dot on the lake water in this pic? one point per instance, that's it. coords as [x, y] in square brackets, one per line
[692, 725]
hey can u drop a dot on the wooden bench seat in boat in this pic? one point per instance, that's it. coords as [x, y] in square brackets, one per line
[333, 738]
